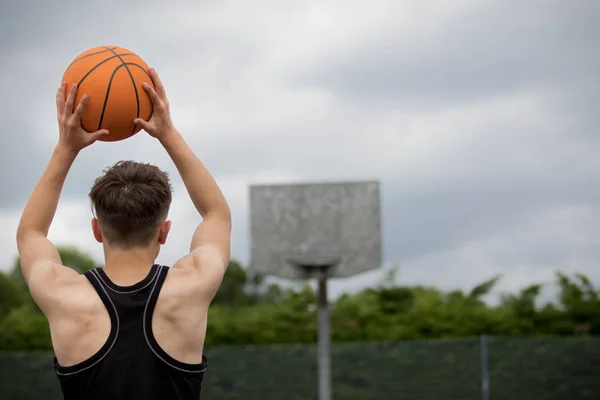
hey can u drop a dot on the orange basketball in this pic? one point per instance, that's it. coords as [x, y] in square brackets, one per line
[112, 77]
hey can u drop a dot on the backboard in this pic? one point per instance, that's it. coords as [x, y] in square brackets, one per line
[315, 223]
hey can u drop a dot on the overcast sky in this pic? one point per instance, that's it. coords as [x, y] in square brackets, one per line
[479, 117]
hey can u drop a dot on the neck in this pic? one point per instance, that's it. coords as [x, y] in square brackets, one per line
[129, 263]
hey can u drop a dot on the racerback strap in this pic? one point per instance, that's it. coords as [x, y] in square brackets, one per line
[152, 343]
[112, 337]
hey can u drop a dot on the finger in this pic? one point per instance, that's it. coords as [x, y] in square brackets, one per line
[141, 123]
[81, 108]
[156, 101]
[98, 134]
[60, 98]
[158, 84]
[71, 99]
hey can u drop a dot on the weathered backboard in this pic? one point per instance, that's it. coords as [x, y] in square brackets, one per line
[315, 223]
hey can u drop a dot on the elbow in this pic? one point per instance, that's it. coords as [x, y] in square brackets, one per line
[23, 234]
[217, 211]
[20, 236]
[23, 231]
[226, 212]
[224, 215]
[223, 212]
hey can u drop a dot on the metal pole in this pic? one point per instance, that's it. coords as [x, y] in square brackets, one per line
[485, 384]
[324, 345]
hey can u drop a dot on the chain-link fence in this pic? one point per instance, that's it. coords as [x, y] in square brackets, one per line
[517, 369]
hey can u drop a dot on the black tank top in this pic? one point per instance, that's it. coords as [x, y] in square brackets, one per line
[131, 364]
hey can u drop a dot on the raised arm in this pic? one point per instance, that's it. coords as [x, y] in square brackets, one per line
[210, 247]
[215, 229]
[40, 262]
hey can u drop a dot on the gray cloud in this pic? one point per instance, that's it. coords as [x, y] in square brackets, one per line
[482, 128]
[495, 49]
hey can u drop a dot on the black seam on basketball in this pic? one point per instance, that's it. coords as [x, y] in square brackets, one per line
[140, 67]
[106, 97]
[148, 75]
[99, 64]
[109, 85]
[92, 54]
[137, 95]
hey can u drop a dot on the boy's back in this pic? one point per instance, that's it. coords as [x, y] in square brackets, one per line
[133, 329]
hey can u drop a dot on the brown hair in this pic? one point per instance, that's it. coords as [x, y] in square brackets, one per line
[131, 200]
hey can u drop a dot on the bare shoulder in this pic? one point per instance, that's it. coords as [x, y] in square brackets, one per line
[180, 315]
[79, 321]
[198, 274]
[57, 289]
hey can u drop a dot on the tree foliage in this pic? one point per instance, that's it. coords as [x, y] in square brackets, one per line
[248, 310]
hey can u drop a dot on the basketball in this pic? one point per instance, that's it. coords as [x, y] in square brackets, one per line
[112, 77]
